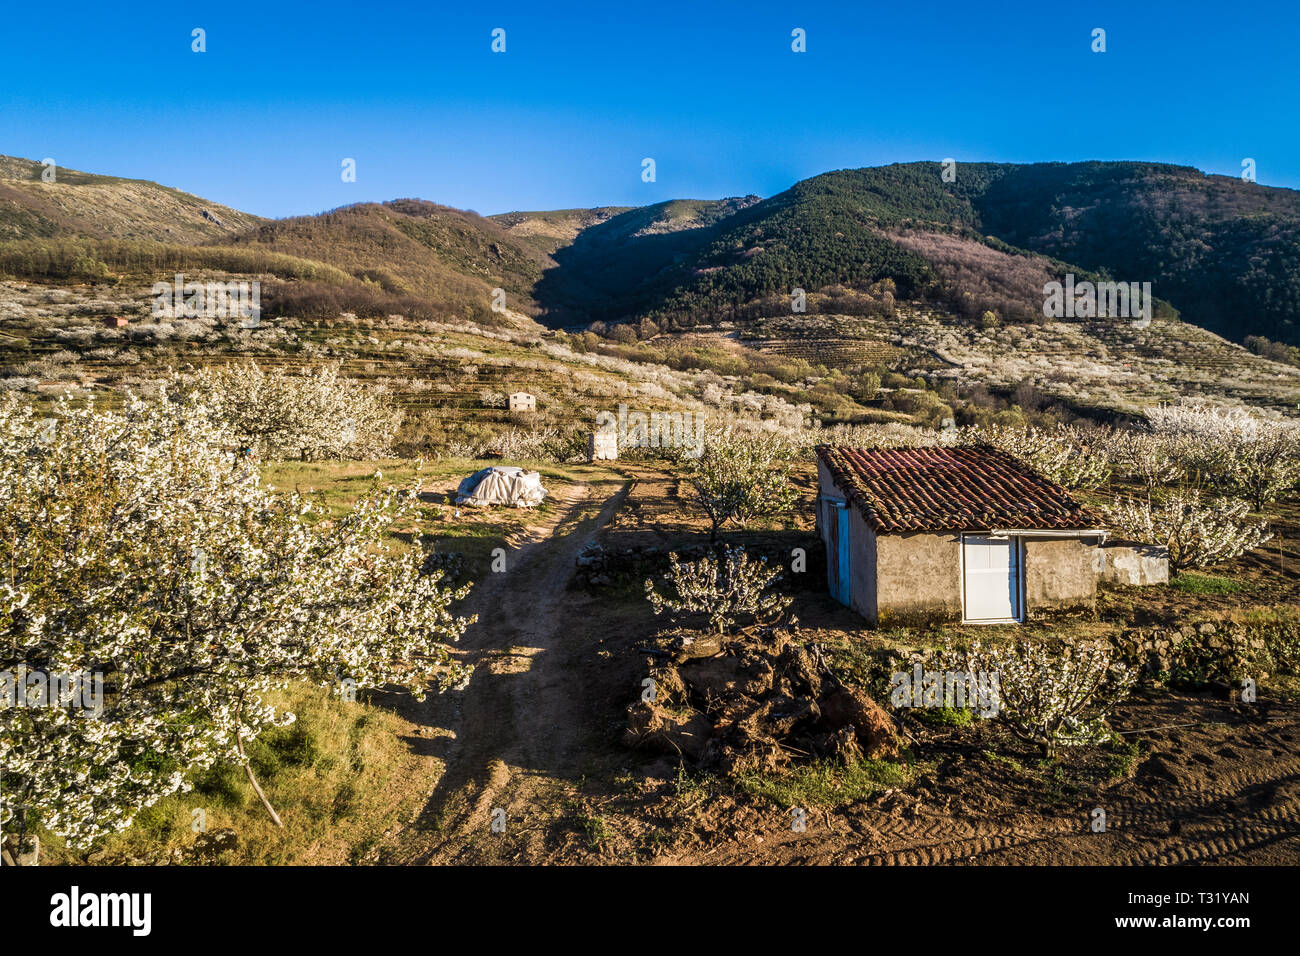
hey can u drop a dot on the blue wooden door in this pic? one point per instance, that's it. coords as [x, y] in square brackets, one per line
[837, 550]
[843, 562]
[831, 524]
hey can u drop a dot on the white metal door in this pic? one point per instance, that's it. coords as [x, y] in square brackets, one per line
[992, 578]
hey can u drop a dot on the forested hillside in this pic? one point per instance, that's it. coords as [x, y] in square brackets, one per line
[1222, 252]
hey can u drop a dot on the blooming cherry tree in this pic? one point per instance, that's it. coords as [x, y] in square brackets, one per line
[1233, 449]
[1197, 535]
[318, 414]
[1052, 696]
[724, 590]
[136, 547]
[1149, 457]
[741, 476]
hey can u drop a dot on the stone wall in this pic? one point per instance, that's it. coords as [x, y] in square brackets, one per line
[1123, 562]
[1197, 653]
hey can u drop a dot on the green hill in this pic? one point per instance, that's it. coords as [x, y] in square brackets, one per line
[1224, 251]
[410, 247]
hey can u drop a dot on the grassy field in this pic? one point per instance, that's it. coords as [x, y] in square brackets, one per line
[442, 524]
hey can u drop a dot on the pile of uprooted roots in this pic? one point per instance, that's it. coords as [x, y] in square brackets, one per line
[757, 701]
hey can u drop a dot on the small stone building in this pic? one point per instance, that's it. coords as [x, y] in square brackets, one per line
[603, 445]
[522, 402]
[954, 533]
[116, 322]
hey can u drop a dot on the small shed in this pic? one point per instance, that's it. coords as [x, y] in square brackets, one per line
[957, 533]
[602, 445]
[523, 402]
[116, 322]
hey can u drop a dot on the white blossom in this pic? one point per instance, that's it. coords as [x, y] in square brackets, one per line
[1235, 450]
[742, 475]
[135, 546]
[1051, 696]
[1197, 535]
[723, 590]
[318, 414]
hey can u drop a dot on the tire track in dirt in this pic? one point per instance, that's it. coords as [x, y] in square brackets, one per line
[1230, 839]
[1214, 824]
[1184, 823]
[924, 841]
[1174, 810]
[982, 838]
[515, 730]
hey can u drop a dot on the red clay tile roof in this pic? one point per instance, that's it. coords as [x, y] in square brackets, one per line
[974, 488]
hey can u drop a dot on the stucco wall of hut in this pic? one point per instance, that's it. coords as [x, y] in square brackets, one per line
[1059, 572]
[918, 575]
[864, 559]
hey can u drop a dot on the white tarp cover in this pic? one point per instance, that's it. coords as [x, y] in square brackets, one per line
[502, 485]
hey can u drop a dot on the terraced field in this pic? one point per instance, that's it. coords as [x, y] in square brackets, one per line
[1102, 364]
[56, 341]
[835, 341]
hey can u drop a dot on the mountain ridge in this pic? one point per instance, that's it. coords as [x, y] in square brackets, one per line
[95, 206]
[1223, 253]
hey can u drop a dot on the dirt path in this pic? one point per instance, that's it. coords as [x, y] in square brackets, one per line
[516, 737]
[534, 736]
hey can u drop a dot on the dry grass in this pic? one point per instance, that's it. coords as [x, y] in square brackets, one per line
[338, 777]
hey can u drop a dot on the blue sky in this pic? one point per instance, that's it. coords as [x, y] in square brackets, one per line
[585, 91]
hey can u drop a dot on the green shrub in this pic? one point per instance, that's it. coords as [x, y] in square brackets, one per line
[1206, 584]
